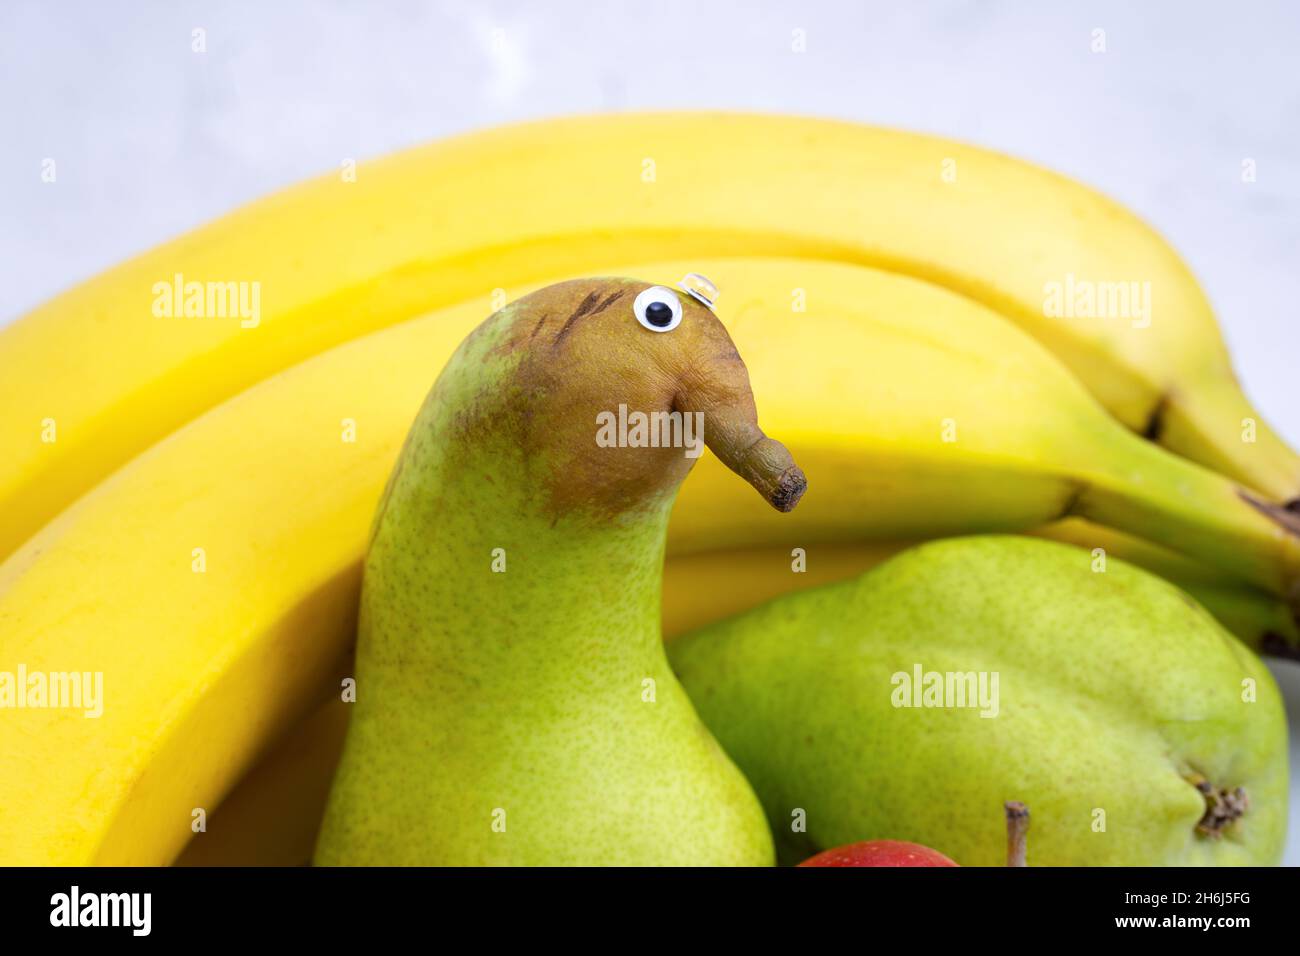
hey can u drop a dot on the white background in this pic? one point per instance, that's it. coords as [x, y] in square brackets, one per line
[151, 139]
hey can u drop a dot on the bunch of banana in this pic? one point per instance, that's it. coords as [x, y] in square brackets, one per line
[213, 578]
[101, 372]
[194, 492]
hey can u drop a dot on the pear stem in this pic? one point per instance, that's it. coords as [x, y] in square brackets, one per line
[1017, 831]
[1223, 806]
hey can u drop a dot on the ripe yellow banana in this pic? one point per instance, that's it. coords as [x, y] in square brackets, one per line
[273, 814]
[1260, 620]
[101, 372]
[212, 581]
[700, 589]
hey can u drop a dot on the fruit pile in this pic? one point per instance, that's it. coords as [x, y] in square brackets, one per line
[1044, 539]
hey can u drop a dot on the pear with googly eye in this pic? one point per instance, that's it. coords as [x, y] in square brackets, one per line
[514, 702]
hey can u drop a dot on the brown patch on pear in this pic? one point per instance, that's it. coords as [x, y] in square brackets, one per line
[578, 351]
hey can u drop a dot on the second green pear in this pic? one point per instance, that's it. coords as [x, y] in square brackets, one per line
[912, 702]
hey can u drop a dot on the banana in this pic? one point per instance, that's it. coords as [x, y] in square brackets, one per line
[101, 372]
[1261, 621]
[213, 580]
[700, 589]
[239, 538]
[272, 815]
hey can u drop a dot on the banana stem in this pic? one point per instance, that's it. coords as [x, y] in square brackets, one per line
[1200, 514]
[1213, 423]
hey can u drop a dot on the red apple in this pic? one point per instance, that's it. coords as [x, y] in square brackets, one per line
[899, 853]
[879, 853]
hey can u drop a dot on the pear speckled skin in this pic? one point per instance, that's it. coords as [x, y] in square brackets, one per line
[528, 716]
[1117, 692]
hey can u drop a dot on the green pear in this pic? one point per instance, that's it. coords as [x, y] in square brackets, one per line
[911, 702]
[514, 702]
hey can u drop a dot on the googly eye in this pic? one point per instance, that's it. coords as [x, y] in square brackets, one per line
[658, 309]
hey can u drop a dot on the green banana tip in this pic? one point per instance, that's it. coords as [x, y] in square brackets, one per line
[1287, 515]
[1273, 644]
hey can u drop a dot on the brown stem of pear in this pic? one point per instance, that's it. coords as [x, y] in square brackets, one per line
[721, 391]
[1224, 806]
[1017, 831]
[764, 462]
